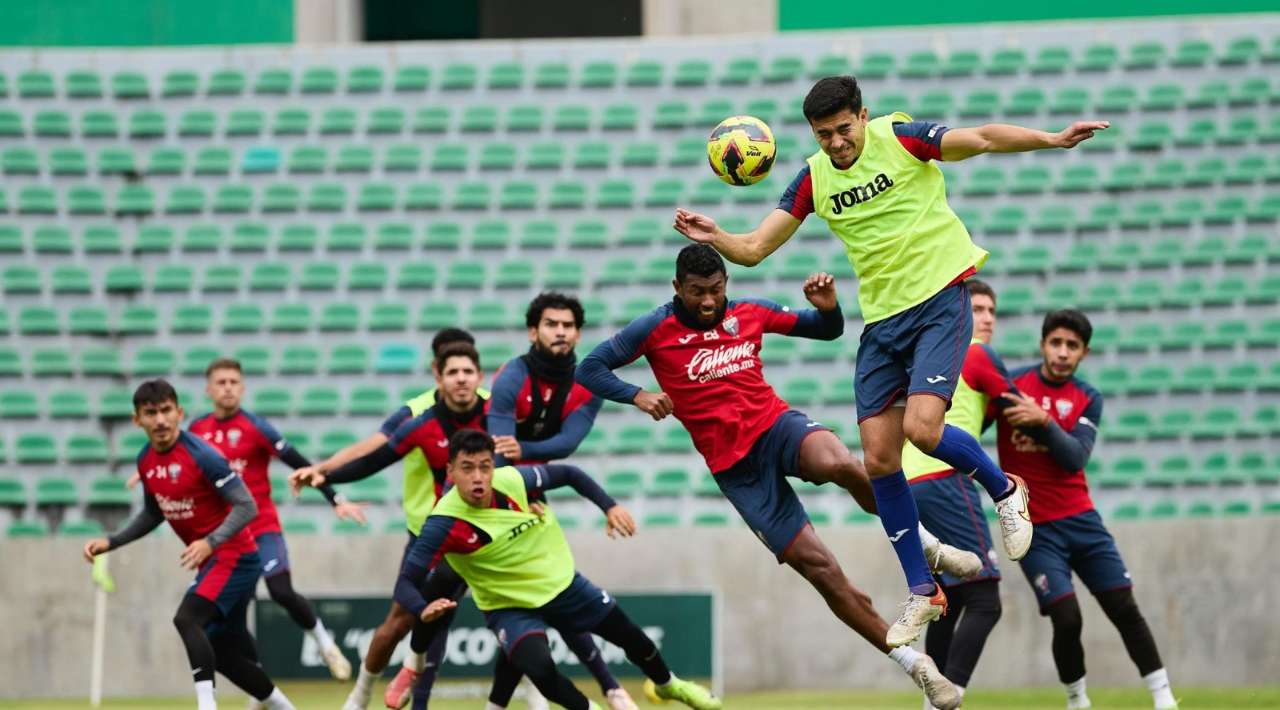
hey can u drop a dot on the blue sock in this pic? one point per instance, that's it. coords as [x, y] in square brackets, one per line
[901, 522]
[963, 452]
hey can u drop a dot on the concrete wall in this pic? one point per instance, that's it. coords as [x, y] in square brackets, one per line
[698, 17]
[1204, 585]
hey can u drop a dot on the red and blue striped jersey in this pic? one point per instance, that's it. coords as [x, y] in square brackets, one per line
[186, 482]
[1076, 408]
[248, 442]
[715, 377]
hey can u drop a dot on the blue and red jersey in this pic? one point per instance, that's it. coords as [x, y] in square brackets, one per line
[430, 432]
[1075, 407]
[512, 406]
[921, 139]
[714, 376]
[185, 482]
[248, 442]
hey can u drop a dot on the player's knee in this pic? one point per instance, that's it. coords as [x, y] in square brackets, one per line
[280, 588]
[822, 570]
[1065, 616]
[881, 463]
[1119, 605]
[923, 432]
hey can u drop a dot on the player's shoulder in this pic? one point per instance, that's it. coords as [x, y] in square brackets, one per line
[650, 321]
[512, 372]
[752, 303]
[1087, 389]
[1019, 373]
[202, 451]
[201, 420]
[979, 349]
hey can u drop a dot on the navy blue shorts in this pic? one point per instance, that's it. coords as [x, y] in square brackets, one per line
[580, 607]
[918, 350]
[274, 554]
[228, 580]
[757, 486]
[1081, 544]
[951, 508]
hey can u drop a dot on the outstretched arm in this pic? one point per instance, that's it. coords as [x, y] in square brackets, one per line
[575, 428]
[746, 249]
[422, 556]
[541, 478]
[961, 143]
[363, 467]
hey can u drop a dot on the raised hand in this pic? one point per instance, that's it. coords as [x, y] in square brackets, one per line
[820, 289]
[95, 547]
[1079, 131]
[196, 554]
[507, 446]
[698, 227]
[305, 476]
[351, 511]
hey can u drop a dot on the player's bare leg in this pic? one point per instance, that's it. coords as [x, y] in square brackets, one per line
[825, 459]
[924, 424]
[811, 557]
[394, 628]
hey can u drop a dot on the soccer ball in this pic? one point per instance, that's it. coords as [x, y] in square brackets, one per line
[741, 150]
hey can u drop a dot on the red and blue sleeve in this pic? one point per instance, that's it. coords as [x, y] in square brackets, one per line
[391, 423]
[501, 408]
[424, 554]
[797, 200]
[278, 445]
[595, 372]
[408, 435]
[806, 323]
[923, 139]
[984, 371]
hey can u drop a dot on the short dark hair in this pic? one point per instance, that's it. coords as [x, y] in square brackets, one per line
[978, 287]
[450, 335]
[557, 300]
[469, 441]
[156, 391]
[223, 363]
[832, 94]
[699, 260]
[1068, 318]
[456, 349]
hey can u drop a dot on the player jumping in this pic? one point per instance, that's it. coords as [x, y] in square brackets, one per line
[188, 483]
[876, 186]
[495, 529]
[950, 505]
[705, 353]
[1048, 433]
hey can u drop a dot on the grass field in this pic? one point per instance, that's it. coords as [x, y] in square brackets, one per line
[328, 696]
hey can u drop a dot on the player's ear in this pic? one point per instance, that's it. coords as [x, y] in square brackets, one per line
[675, 284]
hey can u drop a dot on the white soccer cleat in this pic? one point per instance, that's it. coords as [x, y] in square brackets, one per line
[1015, 521]
[339, 666]
[939, 692]
[917, 612]
[534, 698]
[358, 699]
[952, 560]
[620, 699]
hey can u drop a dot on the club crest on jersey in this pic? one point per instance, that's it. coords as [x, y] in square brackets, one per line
[175, 470]
[233, 435]
[730, 325]
[1064, 407]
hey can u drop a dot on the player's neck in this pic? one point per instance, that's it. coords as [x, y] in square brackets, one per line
[1046, 376]
[460, 408]
[223, 413]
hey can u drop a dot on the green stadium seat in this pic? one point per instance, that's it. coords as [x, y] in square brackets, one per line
[299, 360]
[348, 360]
[388, 317]
[27, 529]
[52, 124]
[1241, 50]
[291, 122]
[338, 121]
[88, 320]
[960, 63]
[273, 82]
[1006, 62]
[621, 117]
[86, 448]
[489, 315]
[222, 82]
[245, 122]
[99, 124]
[411, 78]
[36, 449]
[242, 318]
[20, 161]
[19, 404]
[472, 196]
[128, 85]
[339, 318]
[191, 318]
[437, 315]
[551, 75]
[35, 84]
[154, 361]
[1051, 60]
[10, 366]
[22, 280]
[416, 276]
[1144, 56]
[1192, 54]
[65, 162]
[396, 360]
[506, 75]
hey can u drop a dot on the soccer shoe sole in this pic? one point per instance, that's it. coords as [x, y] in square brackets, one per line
[940, 692]
[400, 691]
[1017, 545]
[956, 562]
[339, 666]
